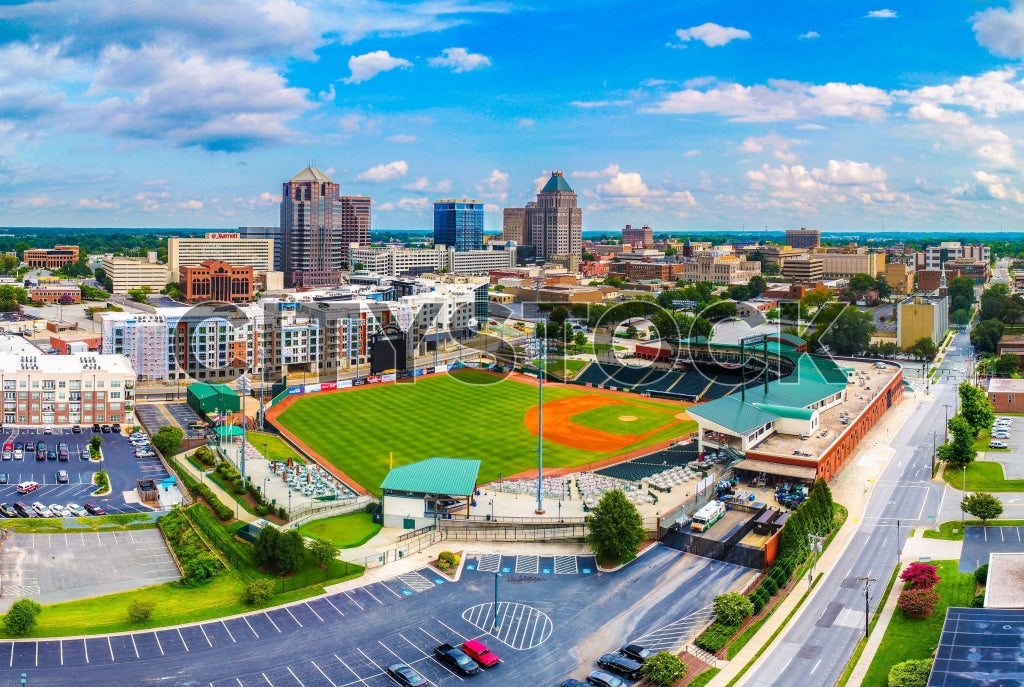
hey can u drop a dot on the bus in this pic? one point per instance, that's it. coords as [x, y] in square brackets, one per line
[707, 516]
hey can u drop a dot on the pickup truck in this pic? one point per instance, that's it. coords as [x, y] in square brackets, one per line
[479, 652]
[456, 659]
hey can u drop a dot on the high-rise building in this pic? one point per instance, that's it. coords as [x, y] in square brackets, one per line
[803, 238]
[317, 226]
[273, 233]
[638, 237]
[226, 246]
[459, 224]
[553, 225]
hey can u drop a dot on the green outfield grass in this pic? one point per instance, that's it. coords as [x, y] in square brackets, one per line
[470, 414]
[346, 531]
[606, 418]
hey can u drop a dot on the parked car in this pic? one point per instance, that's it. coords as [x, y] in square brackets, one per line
[62, 477]
[19, 446]
[7, 455]
[77, 429]
[41, 447]
[455, 659]
[997, 444]
[479, 652]
[47, 430]
[105, 428]
[92, 509]
[141, 453]
[58, 511]
[27, 487]
[617, 663]
[84, 454]
[601, 679]
[30, 447]
[8, 511]
[96, 429]
[572, 682]
[76, 511]
[24, 510]
[405, 675]
[115, 428]
[4, 477]
[51, 455]
[636, 652]
[40, 510]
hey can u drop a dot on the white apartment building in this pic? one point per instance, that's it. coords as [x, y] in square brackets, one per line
[720, 269]
[395, 261]
[934, 257]
[134, 273]
[83, 388]
[229, 247]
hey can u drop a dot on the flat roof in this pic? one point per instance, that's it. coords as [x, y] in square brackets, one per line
[979, 646]
[796, 471]
[1005, 585]
[64, 364]
[1000, 385]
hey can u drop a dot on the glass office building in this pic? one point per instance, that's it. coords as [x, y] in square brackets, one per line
[459, 223]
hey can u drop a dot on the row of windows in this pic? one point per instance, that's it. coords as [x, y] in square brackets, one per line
[61, 384]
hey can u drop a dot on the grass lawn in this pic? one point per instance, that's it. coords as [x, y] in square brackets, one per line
[272, 446]
[916, 638]
[954, 531]
[606, 418]
[346, 531]
[471, 414]
[981, 443]
[564, 368]
[982, 476]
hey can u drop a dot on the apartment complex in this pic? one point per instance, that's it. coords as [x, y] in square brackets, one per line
[552, 226]
[126, 274]
[229, 247]
[720, 269]
[216, 280]
[844, 265]
[803, 238]
[459, 224]
[50, 258]
[934, 257]
[921, 316]
[396, 261]
[317, 227]
[66, 389]
[638, 237]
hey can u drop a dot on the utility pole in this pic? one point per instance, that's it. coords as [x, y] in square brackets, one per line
[867, 596]
[816, 546]
[932, 474]
[945, 427]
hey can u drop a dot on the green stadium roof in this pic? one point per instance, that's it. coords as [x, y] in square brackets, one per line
[557, 183]
[787, 411]
[453, 476]
[203, 390]
[228, 431]
[733, 414]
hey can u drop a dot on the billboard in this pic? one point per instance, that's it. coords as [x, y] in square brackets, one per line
[387, 352]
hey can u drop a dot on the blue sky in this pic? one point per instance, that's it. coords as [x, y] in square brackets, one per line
[693, 115]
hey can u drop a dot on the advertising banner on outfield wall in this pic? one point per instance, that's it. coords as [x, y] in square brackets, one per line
[345, 384]
[373, 379]
[312, 388]
[328, 386]
[389, 377]
[293, 390]
[358, 382]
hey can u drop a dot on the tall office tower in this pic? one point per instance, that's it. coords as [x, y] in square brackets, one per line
[514, 226]
[355, 224]
[803, 238]
[459, 224]
[311, 240]
[556, 223]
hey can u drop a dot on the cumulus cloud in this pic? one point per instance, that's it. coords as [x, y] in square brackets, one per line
[590, 104]
[96, 204]
[328, 95]
[711, 34]
[354, 122]
[960, 132]
[797, 187]
[1001, 30]
[460, 60]
[992, 93]
[881, 14]
[850, 172]
[496, 185]
[780, 147]
[385, 172]
[402, 138]
[365, 67]
[630, 189]
[423, 184]
[609, 171]
[809, 34]
[525, 123]
[405, 205]
[777, 100]
[987, 186]
[192, 204]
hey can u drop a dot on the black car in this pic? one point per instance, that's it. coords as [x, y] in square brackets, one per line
[92, 509]
[96, 429]
[18, 446]
[106, 429]
[7, 511]
[115, 428]
[599, 679]
[30, 447]
[405, 675]
[4, 478]
[572, 682]
[77, 429]
[51, 455]
[63, 455]
[617, 663]
[636, 652]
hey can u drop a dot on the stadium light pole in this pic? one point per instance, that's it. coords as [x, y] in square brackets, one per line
[540, 409]
[494, 620]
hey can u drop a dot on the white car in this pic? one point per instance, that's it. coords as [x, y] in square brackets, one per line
[76, 511]
[58, 511]
[41, 510]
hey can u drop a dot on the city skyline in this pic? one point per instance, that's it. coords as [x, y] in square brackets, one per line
[861, 117]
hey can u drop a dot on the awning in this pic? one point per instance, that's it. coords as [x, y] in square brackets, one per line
[796, 471]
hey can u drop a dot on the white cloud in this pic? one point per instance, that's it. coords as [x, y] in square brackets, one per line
[357, 19]
[496, 183]
[1001, 30]
[809, 34]
[328, 95]
[423, 184]
[780, 147]
[692, 153]
[624, 184]
[413, 203]
[402, 138]
[988, 186]
[365, 67]
[850, 172]
[992, 93]
[608, 172]
[525, 123]
[192, 204]
[777, 101]
[590, 104]
[460, 60]
[711, 34]
[881, 14]
[354, 122]
[959, 132]
[96, 204]
[629, 189]
[385, 172]
[795, 187]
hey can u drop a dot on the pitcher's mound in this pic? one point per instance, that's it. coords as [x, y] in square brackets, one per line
[627, 418]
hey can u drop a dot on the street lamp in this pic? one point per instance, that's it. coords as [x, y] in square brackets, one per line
[964, 497]
[492, 509]
[289, 504]
[265, 480]
[494, 621]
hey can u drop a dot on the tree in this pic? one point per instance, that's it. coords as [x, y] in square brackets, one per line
[289, 552]
[173, 291]
[559, 314]
[960, 452]
[924, 348]
[580, 340]
[918, 603]
[722, 310]
[664, 669]
[859, 283]
[21, 617]
[631, 332]
[95, 442]
[141, 294]
[266, 545]
[850, 332]
[168, 439]
[960, 317]
[882, 287]
[8, 262]
[614, 281]
[615, 528]
[139, 610]
[920, 576]
[258, 592]
[913, 673]
[732, 608]
[756, 286]
[993, 302]
[322, 551]
[11, 297]
[815, 299]
[975, 407]
[772, 315]
[986, 334]
[961, 288]
[1008, 365]
[983, 506]
[738, 292]
[102, 278]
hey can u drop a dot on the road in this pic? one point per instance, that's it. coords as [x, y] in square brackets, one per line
[816, 649]
[1000, 275]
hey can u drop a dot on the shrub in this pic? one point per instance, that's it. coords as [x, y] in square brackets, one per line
[448, 557]
[204, 456]
[759, 600]
[978, 601]
[258, 592]
[715, 637]
[282, 513]
[21, 617]
[239, 487]
[322, 551]
[910, 673]
[139, 610]
[262, 509]
[981, 574]
[918, 603]
[770, 586]
[920, 576]
[733, 608]
[664, 668]
[102, 481]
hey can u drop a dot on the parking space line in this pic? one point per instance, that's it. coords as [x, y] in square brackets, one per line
[86, 645]
[232, 636]
[354, 601]
[183, 643]
[292, 615]
[158, 644]
[267, 616]
[454, 631]
[328, 599]
[133, 645]
[60, 645]
[370, 660]
[111, 647]
[297, 677]
[391, 590]
[205, 636]
[323, 673]
[367, 590]
[390, 651]
[37, 654]
[351, 671]
[314, 613]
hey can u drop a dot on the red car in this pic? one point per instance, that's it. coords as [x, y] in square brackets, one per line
[479, 652]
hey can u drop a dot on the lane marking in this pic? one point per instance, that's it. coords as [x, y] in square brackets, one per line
[314, 612]
[231, 636]
[323, 673]
[293, 616]
[250, 626]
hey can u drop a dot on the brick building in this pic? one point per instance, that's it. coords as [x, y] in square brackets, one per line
[214, 280]
[51, 258]
[52, 293]
[1007, 395]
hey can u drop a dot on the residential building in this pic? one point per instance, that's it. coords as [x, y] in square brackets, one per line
[459, 224]
[52, 293]
[229, 247]
[839, 265]
[126, 274]
[642, 237]
[1007, 395]
[266, 233]
[921, 316]
[50, 258]
[553, 225]
[900, 278]
[66, 389]
[803, 238]
[720, 269]
[934, 257]
[804, 270]
[395, 261]
[216, 280]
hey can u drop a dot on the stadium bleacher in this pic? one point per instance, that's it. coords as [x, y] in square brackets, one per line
[651, 464]
[690, 385]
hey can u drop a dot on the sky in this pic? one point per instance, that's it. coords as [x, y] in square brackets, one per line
[687, 116]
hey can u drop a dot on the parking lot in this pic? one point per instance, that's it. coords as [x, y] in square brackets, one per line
[119, 460]
[153, 416]
[979, 542]
[1012, 460]
[49, 568]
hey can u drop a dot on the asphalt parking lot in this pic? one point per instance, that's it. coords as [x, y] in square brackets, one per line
[552, 625]
[154, 416]
[119, 460]
[979, 542]
[49, 568]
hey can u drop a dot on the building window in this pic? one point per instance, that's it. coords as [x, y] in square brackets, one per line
[1009, 399]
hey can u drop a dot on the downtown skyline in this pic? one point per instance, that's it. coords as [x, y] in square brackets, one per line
[699, 116]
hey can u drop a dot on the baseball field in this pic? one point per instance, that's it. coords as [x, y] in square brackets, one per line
[474, 414]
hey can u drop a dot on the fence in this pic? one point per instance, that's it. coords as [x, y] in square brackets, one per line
[299, 516]
[728, 550]
[419, 540]
[511, 532]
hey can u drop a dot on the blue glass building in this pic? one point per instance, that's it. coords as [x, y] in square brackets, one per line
[459, 224]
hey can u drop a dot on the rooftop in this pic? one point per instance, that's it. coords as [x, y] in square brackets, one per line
[451, 476]
[66, 364]
[557, 182]
[1005, 586]
[311, 174]
[998, 385]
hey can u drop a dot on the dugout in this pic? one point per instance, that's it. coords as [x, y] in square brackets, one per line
[416, 495]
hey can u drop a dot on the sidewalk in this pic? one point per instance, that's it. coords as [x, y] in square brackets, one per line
[226, 499]
[852, 488]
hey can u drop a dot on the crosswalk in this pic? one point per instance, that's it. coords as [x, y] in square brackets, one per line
[530, 564]
[416, 581]
[566, 565]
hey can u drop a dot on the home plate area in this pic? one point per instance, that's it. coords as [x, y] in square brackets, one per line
[530, 565]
